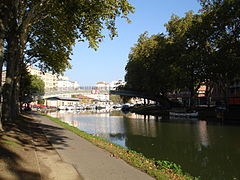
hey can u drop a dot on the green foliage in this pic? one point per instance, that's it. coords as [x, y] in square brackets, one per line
[169, 165]
[217, 36]
[67, 21]
[116, 99]
[148, 68]
[37, 84]
[10, 142]
[30, 85]
[197, 48]
[41, 101]
[43, 33]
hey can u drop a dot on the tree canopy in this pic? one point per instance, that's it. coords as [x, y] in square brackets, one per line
[42, 32]
[197, 48]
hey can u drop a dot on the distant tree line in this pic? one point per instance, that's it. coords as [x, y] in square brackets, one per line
[202, 47]
[42, 32]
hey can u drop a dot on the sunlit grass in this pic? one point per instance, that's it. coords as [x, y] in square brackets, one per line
[10, 142]
[159, 169]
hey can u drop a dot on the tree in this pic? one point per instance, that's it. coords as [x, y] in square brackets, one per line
[116, 99]
[138, 66]
[189, 63]
[198, 48]
[218, 40]
[3, 26]
[149, 67]
[31, 86]
[28, 29]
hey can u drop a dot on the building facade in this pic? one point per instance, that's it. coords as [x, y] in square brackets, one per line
[58, 101]
[54, 82]
[49, 79]
[63, 83]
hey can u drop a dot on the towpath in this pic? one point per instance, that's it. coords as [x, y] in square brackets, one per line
[91, 162]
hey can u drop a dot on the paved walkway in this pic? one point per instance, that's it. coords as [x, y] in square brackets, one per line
[91, 162]
[25, 154]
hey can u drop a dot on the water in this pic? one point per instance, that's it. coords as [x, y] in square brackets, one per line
[211, 151]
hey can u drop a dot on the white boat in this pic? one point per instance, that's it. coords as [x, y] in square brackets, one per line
[62, 107]
[78, 107]
[178, 114]
[70, 107]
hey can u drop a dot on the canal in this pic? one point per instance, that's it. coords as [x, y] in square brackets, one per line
[209, 151]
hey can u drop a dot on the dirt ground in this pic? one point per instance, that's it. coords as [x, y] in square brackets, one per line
[25, 153]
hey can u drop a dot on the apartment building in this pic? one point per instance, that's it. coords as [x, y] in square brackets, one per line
[109, 86]
[54, 82]
[102, 85]
[49, 79]
[63, 83]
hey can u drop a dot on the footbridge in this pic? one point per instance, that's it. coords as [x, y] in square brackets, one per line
[70, 92]
[161, 99]
[90, 92]
[101, 92]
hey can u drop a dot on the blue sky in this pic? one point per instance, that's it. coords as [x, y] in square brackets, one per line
[109, 61]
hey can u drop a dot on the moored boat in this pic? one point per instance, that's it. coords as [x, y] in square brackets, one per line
[61, 107]
[183, 114]
[70, 107]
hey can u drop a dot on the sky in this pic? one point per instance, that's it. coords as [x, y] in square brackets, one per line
[109, 61]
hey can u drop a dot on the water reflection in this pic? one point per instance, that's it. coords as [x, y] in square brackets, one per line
[203, 134]
[141, 125]
[210, 151]
[89, 121]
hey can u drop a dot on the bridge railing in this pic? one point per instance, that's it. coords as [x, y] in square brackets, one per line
[80, 90]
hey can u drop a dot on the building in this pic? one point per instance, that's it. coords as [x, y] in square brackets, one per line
[54, 82]
[63, 83]
[85, 99]
[102, 85]
[234, 94]
[58, 101]
[115, 84]
[49, 79]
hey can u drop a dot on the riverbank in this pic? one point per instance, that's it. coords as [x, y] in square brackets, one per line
[27, 154]
[203, 113]
[155, 168]
[207, 113]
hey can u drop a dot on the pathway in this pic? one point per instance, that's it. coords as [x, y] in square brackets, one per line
[91, 162]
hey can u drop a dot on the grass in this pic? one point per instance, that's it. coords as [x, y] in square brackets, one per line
[159, 169]
[11, 143]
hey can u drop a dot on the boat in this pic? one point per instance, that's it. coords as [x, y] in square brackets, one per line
[99, 107]
[183, 114]
[61, 107]
[70, 107]
[78, 107]
[52, 108]
[125, 107]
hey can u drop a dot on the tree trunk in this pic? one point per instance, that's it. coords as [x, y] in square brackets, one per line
[16, 37]
[2, 35]
[226, 95]
[16, 90]
[1, 64]
[12, 61]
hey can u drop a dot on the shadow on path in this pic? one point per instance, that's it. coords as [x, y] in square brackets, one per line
[19, 144]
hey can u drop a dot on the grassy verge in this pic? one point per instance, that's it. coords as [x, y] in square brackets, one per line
[158, 169]
[10, 142]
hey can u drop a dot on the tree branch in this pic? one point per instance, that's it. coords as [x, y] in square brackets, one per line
[32, 15]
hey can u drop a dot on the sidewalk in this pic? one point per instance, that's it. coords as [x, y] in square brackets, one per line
[25, 154]
[67, 156]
